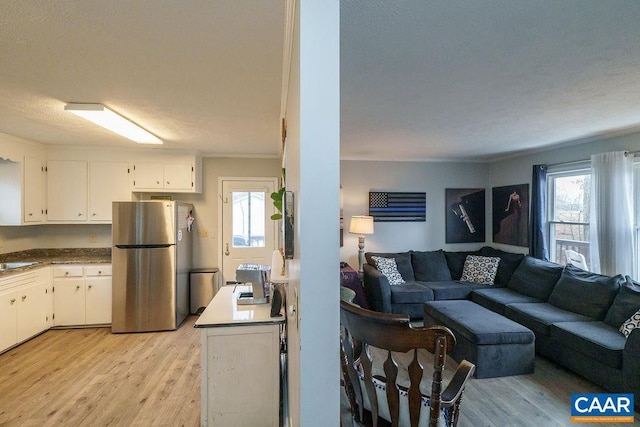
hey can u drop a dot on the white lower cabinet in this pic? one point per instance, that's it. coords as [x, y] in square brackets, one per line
[26, 306]
[82, 294]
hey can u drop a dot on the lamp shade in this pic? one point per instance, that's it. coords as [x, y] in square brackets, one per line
[361, 224]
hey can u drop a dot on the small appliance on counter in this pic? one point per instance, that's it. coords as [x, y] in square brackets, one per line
[258, 276]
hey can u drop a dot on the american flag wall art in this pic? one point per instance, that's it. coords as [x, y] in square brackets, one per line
[395, 207]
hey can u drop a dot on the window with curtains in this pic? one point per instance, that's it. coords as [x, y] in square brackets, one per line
[568, 215]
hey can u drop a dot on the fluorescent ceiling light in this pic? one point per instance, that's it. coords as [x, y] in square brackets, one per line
[101, 115]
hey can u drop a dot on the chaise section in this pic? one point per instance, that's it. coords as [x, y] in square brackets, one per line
[596, 340]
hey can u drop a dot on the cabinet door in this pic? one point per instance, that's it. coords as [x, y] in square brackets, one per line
[98, 300]
[32, 310]
[178, 176]
[33, 190]
[148, 175]
[108, 182]
[69, 302]
[66, 190]
[8, 310]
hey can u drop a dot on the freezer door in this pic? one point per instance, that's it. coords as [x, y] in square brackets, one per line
[144, 290]
[144, 223]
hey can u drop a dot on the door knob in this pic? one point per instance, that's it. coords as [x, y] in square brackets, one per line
[226, 252]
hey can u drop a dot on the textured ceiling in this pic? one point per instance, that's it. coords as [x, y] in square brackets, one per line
[478, 79]
[200, 74]
[420, 79]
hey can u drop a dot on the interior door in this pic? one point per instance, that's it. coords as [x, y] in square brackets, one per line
[248, 232]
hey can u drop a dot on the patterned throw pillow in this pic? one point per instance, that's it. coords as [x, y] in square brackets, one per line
[632, 323]
[480, 269]
[389, 268]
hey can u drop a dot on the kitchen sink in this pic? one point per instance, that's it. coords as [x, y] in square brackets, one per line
[12, 265]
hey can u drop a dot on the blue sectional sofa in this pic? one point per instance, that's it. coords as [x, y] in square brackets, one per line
[575, 315]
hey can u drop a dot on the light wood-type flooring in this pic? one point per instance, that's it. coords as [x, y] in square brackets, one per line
[90, 377]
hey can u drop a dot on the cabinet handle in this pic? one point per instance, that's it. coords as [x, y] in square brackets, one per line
[66, 273]
[30, 214]
[168, 183]
[158, 182]
[13, 301]
[79, 214]
[93, 214]
[90, 286]
[77, 287]
[24, 297]
[99, 272]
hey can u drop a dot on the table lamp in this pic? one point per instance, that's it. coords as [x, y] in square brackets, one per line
[361, 225]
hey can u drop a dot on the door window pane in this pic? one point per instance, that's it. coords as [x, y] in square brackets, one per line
[248, 219]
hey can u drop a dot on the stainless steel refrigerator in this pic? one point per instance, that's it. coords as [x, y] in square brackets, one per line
[151, 259]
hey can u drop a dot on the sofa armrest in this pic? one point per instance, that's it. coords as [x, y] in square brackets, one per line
[377, 289]
[631, 366]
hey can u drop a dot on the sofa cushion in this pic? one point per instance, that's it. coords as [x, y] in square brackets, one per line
[626, 302]
[449, 289]
[535, 278]
[403, 261]
[509, 262]
[496, 299]
[540, 316]
[596, 340]
[480, 269]
[388, 267]
[585, 293]
[410, 293]
[632, 323]
[455, 261]
[430, 266]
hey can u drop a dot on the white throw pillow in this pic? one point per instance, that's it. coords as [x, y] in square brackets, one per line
[389, 268]
[631, 323]
[480, 269]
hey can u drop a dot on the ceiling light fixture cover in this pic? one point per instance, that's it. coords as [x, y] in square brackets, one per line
[101, 115]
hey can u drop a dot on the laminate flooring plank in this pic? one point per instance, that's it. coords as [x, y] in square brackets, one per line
[90, 377]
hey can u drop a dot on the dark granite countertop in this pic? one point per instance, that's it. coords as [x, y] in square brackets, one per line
[43, 257]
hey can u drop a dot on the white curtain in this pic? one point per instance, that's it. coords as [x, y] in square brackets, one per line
[611, 230]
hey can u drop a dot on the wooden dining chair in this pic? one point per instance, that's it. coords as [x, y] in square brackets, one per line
[383, 396]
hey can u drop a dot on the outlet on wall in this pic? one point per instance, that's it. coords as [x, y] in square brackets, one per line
[93, 238]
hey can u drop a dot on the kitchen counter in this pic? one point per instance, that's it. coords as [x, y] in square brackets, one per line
[240, 362]
[44, 257]
[224, 310]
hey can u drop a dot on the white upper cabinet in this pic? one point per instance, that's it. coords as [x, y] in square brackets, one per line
[66, 191]
[178, 176]
[21, 191]
[108, 182]
[33, 191]
[174, 177]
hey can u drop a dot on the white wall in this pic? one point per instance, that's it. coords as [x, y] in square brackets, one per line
[360, 177]
[312, 161]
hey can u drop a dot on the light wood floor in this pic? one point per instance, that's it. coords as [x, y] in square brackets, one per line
[90, 377]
